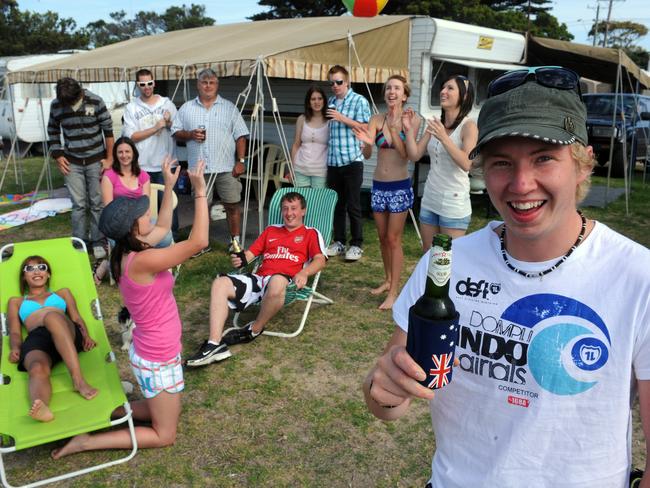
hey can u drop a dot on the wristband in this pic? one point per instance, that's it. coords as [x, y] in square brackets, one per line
[200, 196]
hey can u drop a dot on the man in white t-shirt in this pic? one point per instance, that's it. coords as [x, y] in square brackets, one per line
[554, 340]
[147, 121]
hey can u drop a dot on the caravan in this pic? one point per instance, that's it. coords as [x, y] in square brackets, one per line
[25, 107]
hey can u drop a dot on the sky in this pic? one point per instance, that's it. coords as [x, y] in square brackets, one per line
[578, 15]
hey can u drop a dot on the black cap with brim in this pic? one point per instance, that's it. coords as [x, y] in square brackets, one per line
[118, 216]
[533, 111]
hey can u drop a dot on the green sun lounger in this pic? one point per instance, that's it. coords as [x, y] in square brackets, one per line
[72, 414]
[320, 215]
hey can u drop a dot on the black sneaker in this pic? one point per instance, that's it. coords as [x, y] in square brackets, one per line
[209, 353]
[241, 335]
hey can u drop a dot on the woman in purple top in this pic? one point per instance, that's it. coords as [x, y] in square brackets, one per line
[146, 286]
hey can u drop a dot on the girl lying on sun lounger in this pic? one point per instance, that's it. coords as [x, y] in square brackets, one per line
[56, 332]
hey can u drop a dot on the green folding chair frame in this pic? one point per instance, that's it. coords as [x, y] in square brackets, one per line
[320, 215]
[73, 414]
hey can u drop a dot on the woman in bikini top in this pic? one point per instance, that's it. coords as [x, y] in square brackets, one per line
[391, 195]
[55, 332]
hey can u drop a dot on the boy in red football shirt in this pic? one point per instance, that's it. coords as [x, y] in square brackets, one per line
[290, 252]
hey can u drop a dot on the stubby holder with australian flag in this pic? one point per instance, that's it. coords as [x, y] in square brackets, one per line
[433, 320]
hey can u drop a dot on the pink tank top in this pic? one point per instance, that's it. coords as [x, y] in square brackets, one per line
[157, 335]
[119, 190]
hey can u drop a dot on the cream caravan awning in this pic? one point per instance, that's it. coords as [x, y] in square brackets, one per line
[292, 48]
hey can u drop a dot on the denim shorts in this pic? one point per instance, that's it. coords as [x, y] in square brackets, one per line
[431, 218]
[391, 196]
[154, 377]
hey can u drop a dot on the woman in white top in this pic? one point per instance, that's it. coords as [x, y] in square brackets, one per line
[309, 150]
[445, 205]
[391, 195]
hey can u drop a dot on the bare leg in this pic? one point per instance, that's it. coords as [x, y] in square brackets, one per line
[139, 408]
[233, 216]
[454, 233]
[38, 364]
[428, 231]
[394, 244]
[63, 332]
[165, 409]
[222, 290]
[381, 221]
[272, 302]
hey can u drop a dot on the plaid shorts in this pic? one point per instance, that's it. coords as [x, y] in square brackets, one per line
[154, 377]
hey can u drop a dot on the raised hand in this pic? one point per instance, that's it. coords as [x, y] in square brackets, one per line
[169, 176]
[408, 119]
[363, 135]
[436, 129]
[196, 177]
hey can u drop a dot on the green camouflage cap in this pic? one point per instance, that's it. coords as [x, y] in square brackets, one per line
[534, 111]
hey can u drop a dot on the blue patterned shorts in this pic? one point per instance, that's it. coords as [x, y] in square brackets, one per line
[391, 196]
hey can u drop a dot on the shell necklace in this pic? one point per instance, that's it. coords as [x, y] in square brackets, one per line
[527, 274]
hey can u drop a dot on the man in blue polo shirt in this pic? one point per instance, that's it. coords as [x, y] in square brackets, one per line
[347, 110]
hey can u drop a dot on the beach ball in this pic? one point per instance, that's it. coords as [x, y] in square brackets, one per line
[365, 8]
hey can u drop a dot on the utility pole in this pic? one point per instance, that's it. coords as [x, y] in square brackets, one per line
[596, 24]
[609, 16]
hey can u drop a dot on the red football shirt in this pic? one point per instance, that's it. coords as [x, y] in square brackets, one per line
[284, 251]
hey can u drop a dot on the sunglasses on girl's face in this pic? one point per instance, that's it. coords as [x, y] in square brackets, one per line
[30, 268]
[142, 84]
[549, 76]
[336, 82]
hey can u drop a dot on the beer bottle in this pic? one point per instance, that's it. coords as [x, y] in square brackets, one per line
[433, 320]
[237, 251]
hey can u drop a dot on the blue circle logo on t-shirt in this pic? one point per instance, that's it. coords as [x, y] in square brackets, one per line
[570, 342]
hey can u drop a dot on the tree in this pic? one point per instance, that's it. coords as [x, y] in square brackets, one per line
[510, 15]
[31, 33]
[621, 33]
[144, 23]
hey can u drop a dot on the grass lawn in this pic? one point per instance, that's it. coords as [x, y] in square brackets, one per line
[284, 412]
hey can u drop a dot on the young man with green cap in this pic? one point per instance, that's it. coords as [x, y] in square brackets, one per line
[554, 313]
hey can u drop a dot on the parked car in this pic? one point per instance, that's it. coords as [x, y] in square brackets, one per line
[631, 125]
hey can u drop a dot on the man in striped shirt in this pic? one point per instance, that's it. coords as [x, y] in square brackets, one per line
[84, 122]
[347, 110]
[215, 132]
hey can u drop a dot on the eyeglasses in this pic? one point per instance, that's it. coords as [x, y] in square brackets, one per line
[142, 84]
[30, 268]
[336, 82]
[549, 76]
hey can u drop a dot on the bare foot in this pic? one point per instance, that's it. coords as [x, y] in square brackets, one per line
[40, 411]
[385, 286]
[86, 391]
[388, 303]
[74, 445]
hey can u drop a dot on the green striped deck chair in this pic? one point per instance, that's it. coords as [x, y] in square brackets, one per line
[72, 414]
[320, 215]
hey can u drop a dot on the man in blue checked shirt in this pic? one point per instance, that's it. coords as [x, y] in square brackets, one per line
[215, 132]
[347, 110]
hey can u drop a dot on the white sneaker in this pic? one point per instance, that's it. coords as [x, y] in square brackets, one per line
[353, 253]
[99, 252]
[217, 212]
[336, 249]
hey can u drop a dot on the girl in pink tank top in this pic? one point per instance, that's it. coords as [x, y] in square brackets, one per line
[146, 285]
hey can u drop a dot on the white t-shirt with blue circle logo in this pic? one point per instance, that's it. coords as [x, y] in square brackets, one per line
[547, 366]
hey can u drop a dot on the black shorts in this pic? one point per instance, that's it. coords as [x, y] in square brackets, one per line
[40, 339]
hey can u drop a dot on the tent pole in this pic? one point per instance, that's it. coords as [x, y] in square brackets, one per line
[46, 154]
[613, 132]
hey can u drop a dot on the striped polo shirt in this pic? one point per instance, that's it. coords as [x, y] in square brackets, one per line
[83, 130]
[223, 125]
[343, 147]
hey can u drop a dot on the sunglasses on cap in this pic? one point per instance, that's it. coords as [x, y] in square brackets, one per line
[142, 84]
[29, 268]
[336, 82]
[549, 76]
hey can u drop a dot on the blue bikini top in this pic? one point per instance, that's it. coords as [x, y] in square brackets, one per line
[28, 306]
